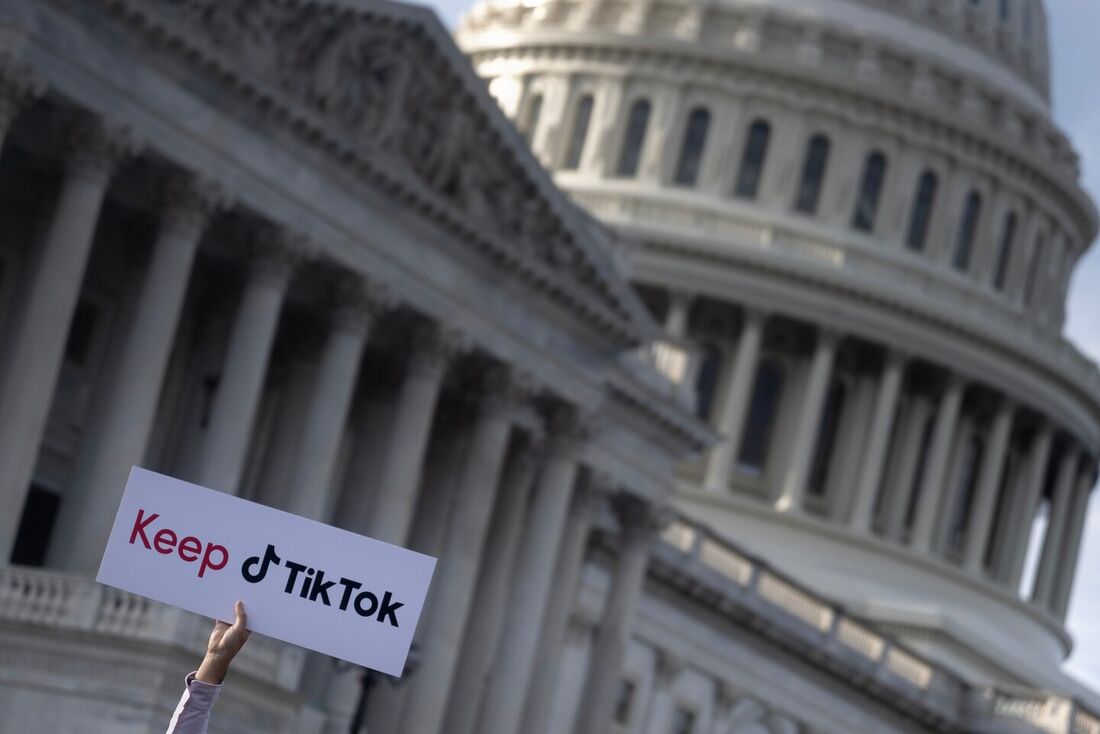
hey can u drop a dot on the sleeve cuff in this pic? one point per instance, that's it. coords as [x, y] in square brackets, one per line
[203, 695]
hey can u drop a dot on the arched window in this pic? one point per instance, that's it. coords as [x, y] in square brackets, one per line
[633, 139]
[1033, 270]
[1004, 251]
[964, 494]
[706, 382]
[579, 133]
[921, 217]
[752, 160]
[870, 190]
[813, 175]
[531, 118]
[826, 440]
[691, 152]
[968, 228]
[766, 393]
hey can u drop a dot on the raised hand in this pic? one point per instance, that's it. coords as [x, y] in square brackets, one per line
[226, 640]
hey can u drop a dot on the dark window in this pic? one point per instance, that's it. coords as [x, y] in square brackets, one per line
[826, 440]
[624, 702]
[691, 152]
[921, 218]
[1004, 252]
[767, 390]
[580, 132]
[870, 191]
[752, 160]
[531, 119]
[634, 139]
[81, 333]
[813, 175]
[1033, 270]
[968, 229]
[706, 384]
[683, 721]
[1003, 10]
[964, 494]
[35, 527]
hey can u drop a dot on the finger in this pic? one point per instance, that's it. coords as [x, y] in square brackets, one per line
[242, 618]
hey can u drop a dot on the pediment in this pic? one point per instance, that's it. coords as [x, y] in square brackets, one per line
[381, 87]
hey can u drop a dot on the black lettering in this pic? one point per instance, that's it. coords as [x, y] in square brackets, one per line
[388, 609]
[295, 569]
[269, 557]
[320, 588]
[349, 587]
[359, 604]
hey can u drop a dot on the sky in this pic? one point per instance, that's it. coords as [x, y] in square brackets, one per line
[1075, 26]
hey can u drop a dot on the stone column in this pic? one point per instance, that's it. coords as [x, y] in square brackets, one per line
[640, 521]
[1049, 560]
[311, 480]
[989, 486]
[679, 312]
[431, 352]
[1071, 551]
[119, 441]
[933, 487]
[515, 662]
[722, 710]
[225, 447]
[18, 86]
[878, 439]
[808, 425]
[461, 557]
[667, 668]
[912, 435]
[1023, 512]
[544, 685]
[734, 409]
[37, 345]
[494, 589]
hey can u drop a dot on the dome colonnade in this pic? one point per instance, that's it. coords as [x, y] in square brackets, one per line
[858, 222]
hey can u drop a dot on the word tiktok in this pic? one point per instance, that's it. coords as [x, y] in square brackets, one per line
[313, 586]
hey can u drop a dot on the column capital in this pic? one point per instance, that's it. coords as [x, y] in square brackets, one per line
[583, 623]
[97, 146]
[754, 314]
[504, 389]
[667, 667]
[567, 428]
[828, 337]
[189, 200]
[597, 489]
[896, 358]
[19, 85]
[432, 346]
[725, 698]
[274, 253]
[357, 302]
[639, 519]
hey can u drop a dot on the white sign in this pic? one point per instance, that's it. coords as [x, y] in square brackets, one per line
[301, 581]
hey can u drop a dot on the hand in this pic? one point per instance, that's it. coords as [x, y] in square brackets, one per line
[225, 642]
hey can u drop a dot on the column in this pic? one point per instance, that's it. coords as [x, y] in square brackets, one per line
[34, 357]
[494, 589]
[544, 685]
[1061, 503]
[732, 414]
[724, 700]
[431, 352]
[461, 557]
[124, 427]
[679, 312]
[1071, 551]
[666, 669]
[878, 439]
[311, 479]
[640, 521]
[18, 86]
[809, 424]
[1023, 511]
[989, 486]
[933, 486]
[912, 436]
[515, 662]
[225, 447]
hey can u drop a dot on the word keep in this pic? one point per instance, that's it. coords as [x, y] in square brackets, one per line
[188, 548]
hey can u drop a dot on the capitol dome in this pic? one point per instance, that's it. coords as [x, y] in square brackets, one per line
[857, 220]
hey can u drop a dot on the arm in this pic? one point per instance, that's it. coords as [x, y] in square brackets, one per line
[192, 715]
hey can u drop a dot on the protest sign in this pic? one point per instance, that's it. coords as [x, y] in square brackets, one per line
[303, 582]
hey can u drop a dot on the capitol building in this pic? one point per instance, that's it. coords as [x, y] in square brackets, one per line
[713, 346]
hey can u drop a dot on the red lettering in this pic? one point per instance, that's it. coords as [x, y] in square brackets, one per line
[139, 528]
[191, 546]
[208, 563]
[164, 541]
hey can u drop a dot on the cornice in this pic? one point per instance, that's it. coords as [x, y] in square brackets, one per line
[1011, 152]
[447, 176]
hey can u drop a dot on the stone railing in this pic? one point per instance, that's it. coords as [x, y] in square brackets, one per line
[751, 591]
[45, 599]
[943, 294]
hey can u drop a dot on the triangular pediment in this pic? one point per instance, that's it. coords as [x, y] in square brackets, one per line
[382, 87]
